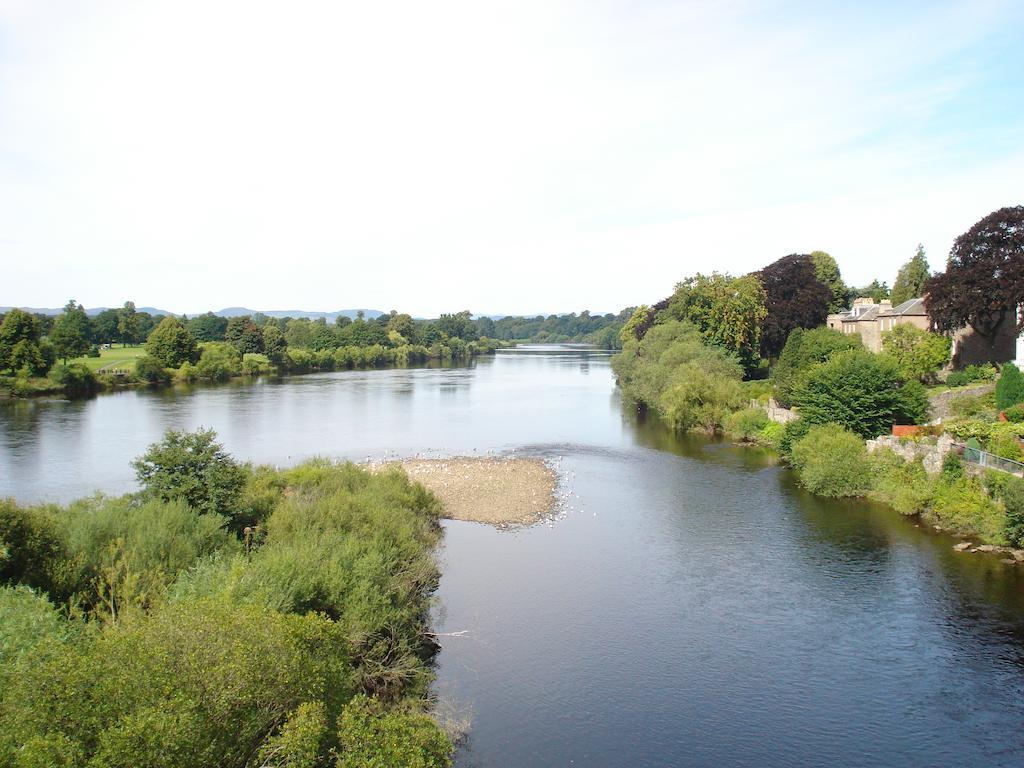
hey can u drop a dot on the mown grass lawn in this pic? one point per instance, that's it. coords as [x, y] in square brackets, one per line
[114, 359]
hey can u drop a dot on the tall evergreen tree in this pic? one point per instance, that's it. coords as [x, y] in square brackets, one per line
[911, 278]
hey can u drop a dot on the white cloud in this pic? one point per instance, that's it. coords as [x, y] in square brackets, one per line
[506, 157]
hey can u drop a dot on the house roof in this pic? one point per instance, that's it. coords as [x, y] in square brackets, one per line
[909, 307]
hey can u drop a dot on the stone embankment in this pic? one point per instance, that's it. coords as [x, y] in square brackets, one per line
[931, 454]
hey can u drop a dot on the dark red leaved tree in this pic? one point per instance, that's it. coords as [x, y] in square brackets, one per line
[795, 298]
[984, 279]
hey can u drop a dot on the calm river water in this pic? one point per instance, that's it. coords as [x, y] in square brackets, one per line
[692, 607]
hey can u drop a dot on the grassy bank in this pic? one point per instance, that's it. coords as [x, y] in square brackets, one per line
[226, 615]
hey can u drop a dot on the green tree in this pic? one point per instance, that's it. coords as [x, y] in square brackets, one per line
[1010, 387]
[861, 391]
[911, 278]
[274, 345]
[459, 325]
[919, 354]
[827, 271]
[208, 327]
[21, 346]
[805, 348]
[729, 311]
[875, 290]
[71, 332]
[128, 324]
[172, 344]
[403, 325]
[104, 327]
[244, 335]
[192, 466]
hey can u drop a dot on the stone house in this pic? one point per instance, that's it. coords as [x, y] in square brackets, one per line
[871, 320]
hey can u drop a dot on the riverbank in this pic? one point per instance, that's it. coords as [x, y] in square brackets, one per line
[496, 491]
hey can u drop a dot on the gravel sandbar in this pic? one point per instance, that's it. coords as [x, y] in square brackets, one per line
[494, 491]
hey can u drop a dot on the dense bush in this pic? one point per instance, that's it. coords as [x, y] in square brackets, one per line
[151, 370]
[804, 349]
[30, 543]
[862, 392]
[918, 353]
[74, 379]
[747, 424]
[1015, 413]
[832, 461]
[197, 684]
[219, 362]
[1010, 387]
[970, 375]
[194, 467]
[369, 737]
[689, 384]
[1010, 491]
[973, 405]
[960, 504]
[903, 485]
[252, 656]
[335, 546]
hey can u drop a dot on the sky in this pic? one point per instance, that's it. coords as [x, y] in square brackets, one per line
[503, 157]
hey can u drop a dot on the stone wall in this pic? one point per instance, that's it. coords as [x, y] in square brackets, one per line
[931, 454]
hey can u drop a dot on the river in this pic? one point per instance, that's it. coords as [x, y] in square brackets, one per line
[690, 606]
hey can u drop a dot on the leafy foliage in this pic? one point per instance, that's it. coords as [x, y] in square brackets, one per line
[172, 344]
[803, 349]
[984, 279]
[832, 461]
[862, 392]
[151, 370]
[727, 310]
[827, 271]
[21, 345]
[194, 467]
[371, 738]
[689, 384]
[919, 354]
[911, 279]
[794, 298]
[1010, 387]
[72, 332]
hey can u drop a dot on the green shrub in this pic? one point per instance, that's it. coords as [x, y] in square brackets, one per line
[370, 737]
[903, 485]
[1010, 491]
[1015, 413]
[700, 397]
[219, 362]
[31, 542]
[74, 379]
[965, 429]
[1004, 441]
[300, 741]
[194, 467]
[919, 354]
[971, 375]
[961, 505]
[747, 424]
[791, 433]
[1009, 388]
[863, 392]
[804, 349]
[967, 406]
[832, 461]
[27, 619]
[151, 370]
[771, 434]
[197, 684]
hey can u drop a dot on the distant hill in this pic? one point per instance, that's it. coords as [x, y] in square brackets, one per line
[91, 312]
[369, 314]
